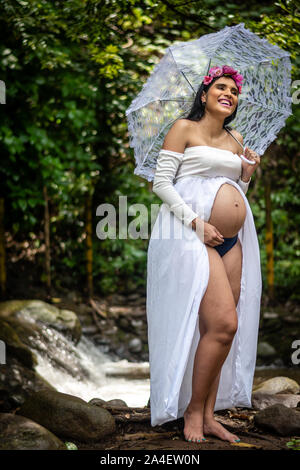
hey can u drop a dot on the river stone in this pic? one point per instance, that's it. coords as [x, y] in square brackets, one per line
[123, 368]
[279, 419]
[277, 385]
[97, 402]
[263, 400]
[15, 347]
[135, 345]
[68, 416]
[117, 402]
[62, 320]
[19, 433]
[265, 349]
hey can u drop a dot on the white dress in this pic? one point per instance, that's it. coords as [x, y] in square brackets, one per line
[177, 277]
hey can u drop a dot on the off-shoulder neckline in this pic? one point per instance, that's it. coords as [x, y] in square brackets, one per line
[209, 147]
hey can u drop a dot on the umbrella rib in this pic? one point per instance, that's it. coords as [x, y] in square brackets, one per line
[188, 80]
[180, 71]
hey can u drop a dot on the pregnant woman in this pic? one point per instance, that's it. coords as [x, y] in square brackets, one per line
[203, 275]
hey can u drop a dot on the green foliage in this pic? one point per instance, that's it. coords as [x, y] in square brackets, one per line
[71, 70]
[293, 444]
[71, 446]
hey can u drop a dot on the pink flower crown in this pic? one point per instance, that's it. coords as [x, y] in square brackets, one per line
[219, 71]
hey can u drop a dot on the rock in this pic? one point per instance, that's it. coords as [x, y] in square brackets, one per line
[90, 329]
[270, 315]
[99, 339]
[124, 368]
[117, 402]
[32, 311]
[264, 349]
[84, 310]
[279, 419]
[18, 377]
[97, 402]
[124, 323]
[135, 345]
[17, 383]
[263, 400]
[121, 351]
[46, 341]
[19, 433]
[73, 296]
[15, 347]
[278, 362]
[137, 324]
[291, 319]
[277, 385]
[133, 297]
[68, 416]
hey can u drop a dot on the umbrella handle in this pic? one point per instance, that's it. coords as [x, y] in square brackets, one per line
[251, 162]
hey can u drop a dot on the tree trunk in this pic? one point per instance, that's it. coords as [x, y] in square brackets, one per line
[89, 242]
[2, 250]
[47, 242]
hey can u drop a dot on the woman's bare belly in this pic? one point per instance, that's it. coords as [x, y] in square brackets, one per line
[228, 212]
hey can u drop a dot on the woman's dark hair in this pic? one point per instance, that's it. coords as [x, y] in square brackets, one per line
[197, 109]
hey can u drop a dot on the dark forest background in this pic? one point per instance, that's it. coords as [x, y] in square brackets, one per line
[71, 69]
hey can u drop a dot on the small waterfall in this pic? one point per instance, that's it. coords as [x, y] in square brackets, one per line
[86, 372]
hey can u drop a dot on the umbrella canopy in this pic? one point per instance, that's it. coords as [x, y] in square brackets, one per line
[168, 94]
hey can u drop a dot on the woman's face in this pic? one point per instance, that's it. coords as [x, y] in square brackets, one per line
[222, 96]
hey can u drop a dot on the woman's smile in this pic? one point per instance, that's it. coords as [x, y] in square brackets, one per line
[225, 102]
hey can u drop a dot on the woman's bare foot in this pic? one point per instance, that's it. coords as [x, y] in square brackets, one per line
[212, 427]
[193, 426]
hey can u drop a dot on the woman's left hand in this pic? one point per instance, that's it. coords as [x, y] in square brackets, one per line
[247, 168]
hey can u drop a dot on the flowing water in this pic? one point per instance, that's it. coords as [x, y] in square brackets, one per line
[86, 372]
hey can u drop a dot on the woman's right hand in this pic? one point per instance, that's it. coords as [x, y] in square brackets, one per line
[212, 236]
[209, 232]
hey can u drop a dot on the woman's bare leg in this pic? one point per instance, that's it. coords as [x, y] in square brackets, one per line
[220, 317]
[233, 266]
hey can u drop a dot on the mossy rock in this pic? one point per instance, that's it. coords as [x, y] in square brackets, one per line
[31, 311]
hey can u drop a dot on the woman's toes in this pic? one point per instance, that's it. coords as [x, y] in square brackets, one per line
[196, 439]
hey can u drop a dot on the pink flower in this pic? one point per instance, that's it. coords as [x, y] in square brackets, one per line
[207, 80]
[229, 70]
[215, 71]
[239, 78]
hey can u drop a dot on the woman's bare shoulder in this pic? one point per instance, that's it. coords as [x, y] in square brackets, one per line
[182, 123]
[176, 138]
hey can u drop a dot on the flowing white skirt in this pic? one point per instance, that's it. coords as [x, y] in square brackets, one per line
[177, 277]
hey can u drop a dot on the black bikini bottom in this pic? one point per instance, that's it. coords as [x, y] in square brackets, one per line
[226, 245]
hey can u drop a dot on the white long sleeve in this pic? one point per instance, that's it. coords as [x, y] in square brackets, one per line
[244, 185]
[168, 162]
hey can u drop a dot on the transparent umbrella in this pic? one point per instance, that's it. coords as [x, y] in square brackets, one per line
[168, 94]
